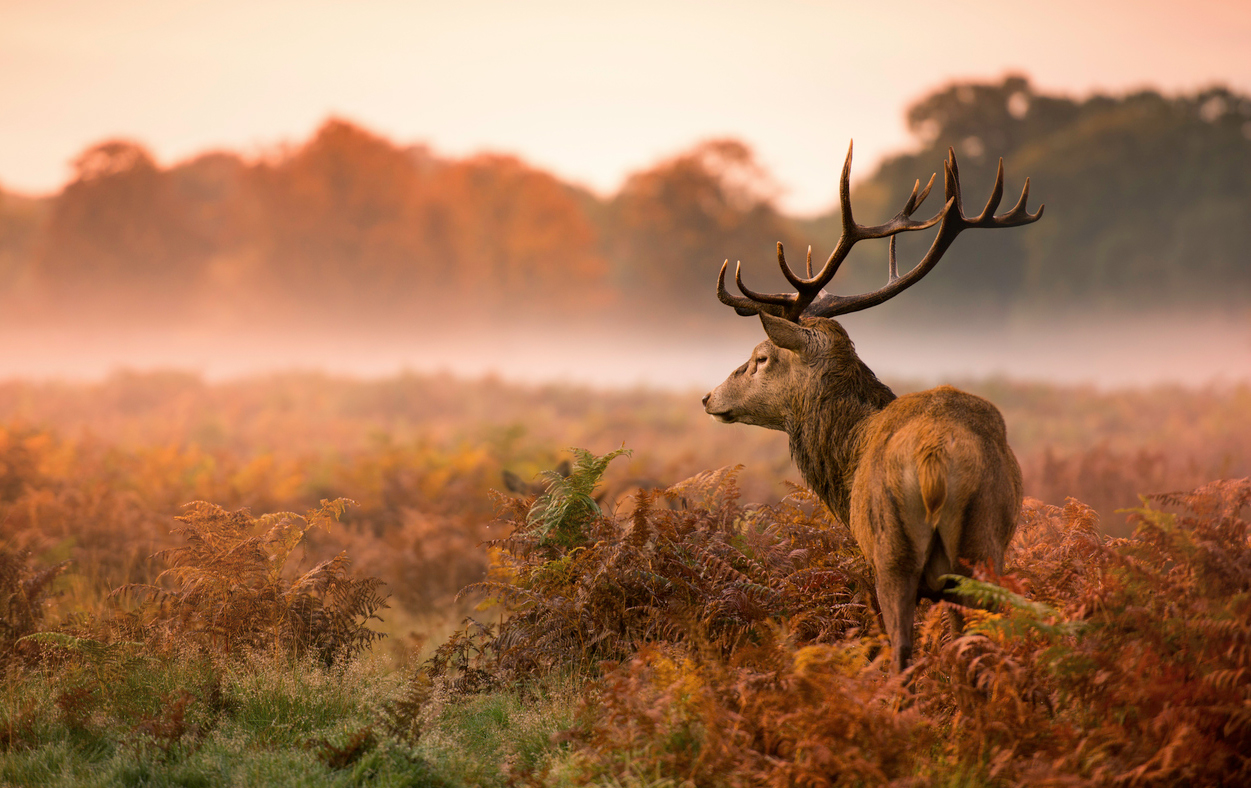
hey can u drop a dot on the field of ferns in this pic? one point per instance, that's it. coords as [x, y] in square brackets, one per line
[308, 580]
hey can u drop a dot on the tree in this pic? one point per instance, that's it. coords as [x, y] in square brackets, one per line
[673, 225]
[342, 222]
[21, 221]
[518, 238]
[119, 237]
[1148, 200]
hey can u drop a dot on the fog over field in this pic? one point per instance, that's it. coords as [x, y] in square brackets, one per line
[1110, 353]
[356, 254]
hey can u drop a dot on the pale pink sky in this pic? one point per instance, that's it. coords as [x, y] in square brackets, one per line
[588, 90]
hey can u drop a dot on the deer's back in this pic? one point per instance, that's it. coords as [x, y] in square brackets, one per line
[935, 462]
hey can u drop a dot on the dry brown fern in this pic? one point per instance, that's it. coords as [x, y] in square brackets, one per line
[586, 587]
[230, 588]
[1136, 672]
[24, 592]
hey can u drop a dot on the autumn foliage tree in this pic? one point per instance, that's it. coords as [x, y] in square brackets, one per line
[674, 224]
[119, 233]
[517, 236]
[343, 219]
[380, 231]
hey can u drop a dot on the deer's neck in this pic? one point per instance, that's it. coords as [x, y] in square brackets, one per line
[827, 427]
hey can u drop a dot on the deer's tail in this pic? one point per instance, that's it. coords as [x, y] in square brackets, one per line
[932, 477]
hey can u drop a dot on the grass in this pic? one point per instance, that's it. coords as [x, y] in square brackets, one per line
[488, 739]
[271, 722]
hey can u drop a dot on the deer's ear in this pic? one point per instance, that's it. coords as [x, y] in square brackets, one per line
[786, 334]
[513, 482]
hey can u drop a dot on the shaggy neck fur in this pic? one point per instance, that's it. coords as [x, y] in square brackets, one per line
[827, 419]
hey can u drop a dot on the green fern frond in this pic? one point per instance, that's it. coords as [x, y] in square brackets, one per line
[560, 514]
[1023, 613]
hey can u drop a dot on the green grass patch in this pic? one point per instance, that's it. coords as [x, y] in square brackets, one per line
[277, 722]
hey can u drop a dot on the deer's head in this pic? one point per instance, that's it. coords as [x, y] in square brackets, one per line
[767, 390]
[807, 354]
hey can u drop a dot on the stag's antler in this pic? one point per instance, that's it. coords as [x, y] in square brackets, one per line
[808, 298]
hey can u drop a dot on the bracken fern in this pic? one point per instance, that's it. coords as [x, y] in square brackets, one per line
[589, 587]
[229, 589]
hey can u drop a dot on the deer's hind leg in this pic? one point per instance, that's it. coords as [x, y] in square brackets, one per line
[889, 523]
[897, 597]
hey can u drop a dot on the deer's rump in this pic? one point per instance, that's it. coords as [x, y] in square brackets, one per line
[937, 489]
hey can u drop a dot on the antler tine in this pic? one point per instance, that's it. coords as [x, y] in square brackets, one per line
[914, 201]
[795, 281]
[951, 180]
[909, 206]
[1018, 213]
[926, 191]
[788, 305]
[808, 267]
[1014, 217]
[844, 195]
[744, 306]
[996, 194]
[786, 300]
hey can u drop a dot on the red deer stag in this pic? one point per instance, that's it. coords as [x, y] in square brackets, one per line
[926, 481]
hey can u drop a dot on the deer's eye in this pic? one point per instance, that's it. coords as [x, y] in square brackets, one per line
[761, 359]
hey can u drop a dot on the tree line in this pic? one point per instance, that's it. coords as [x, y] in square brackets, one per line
[1148, 199]
[1148, 205]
